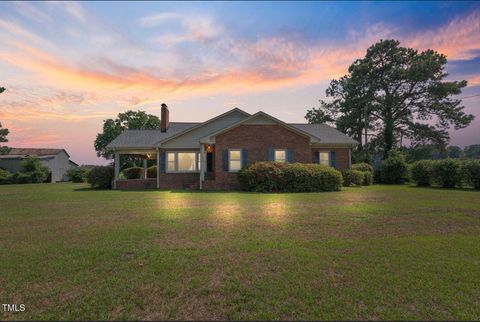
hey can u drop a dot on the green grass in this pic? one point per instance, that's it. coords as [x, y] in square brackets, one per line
[379, 252]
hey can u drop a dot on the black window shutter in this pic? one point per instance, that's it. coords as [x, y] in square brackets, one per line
[333, 159]
[317, 157]
[225, 159]
[244, 157]
[290, 155]
[163, 161]
[271, 154]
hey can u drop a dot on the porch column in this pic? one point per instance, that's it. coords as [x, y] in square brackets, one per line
[144, 168]
[202, 165]
[158, 168]
[117, 170]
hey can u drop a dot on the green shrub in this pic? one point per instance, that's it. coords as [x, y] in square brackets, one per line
[471, 173]
[101, 177]
[422, 172]
[367, 178]
[152, 172]
[33, 164]
[291, 177]
[447, 173]
[263, 177]
[394, 168]
[362, 167]
[311, 177]
[4, 175]
[20, 178]
[352, 178]
[245, 178]
[77, 174]
[33, 168]
[133, 173]
[38, 176]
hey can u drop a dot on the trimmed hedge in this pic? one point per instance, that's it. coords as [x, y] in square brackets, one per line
[471, 173]
[264, 176]
[133, 173]
[352, 178]
[152, 172]
[394, 168]
[271, 176]
[363, 166]
[367, 178]
[447, 173]
[422, 172]
[101, 177]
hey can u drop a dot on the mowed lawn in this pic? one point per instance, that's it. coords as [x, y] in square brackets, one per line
[379, 252]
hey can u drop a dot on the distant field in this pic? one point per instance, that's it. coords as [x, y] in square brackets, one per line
[379, 252]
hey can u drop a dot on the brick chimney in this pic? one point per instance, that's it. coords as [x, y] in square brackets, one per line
[164, 121]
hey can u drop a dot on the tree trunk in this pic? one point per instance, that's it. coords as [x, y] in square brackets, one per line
[388, 136]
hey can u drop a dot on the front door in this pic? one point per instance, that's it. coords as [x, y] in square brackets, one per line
[209, 161]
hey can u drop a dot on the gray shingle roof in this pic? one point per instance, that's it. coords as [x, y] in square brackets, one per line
[325, 133]
[34, 152]
[147, 138]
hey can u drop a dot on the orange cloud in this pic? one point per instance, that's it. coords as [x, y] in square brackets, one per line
[266, 64]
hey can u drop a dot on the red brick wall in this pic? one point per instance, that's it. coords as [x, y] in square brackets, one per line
[167, 181]
[179, 180]
[257, 139]
[125, 184]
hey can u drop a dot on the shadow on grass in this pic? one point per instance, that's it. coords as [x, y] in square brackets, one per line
[443, 189]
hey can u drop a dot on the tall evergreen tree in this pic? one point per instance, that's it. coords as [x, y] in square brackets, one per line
[397, 92]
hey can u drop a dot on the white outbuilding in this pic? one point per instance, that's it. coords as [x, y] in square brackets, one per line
[57, 160]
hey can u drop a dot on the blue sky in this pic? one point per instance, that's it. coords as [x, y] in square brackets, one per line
[67, 66]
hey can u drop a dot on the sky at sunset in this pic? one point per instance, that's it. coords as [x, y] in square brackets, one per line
[68, 66]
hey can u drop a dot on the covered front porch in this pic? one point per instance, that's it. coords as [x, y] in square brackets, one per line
[169, 168]
[144, 182]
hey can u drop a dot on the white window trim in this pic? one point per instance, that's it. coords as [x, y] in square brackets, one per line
[230, 160]
[197, 157]
[275, 157]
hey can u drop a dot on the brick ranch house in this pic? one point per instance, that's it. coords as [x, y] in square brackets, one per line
[207, 155]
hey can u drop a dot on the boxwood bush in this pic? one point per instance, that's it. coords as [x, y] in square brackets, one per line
[394, 168]
[133, 173]
[101, 177]
[353, 178]
[263, 177]
[311, 177]
[367, 178]
[422, 172]
[447, 173]
[291, 177]
[471, 173]
[152, 172]
[363, 166]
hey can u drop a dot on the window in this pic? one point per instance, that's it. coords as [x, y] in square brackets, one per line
[171, 156]
[183, 161]
[325, 158]
[235, 160]
[280, 156]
